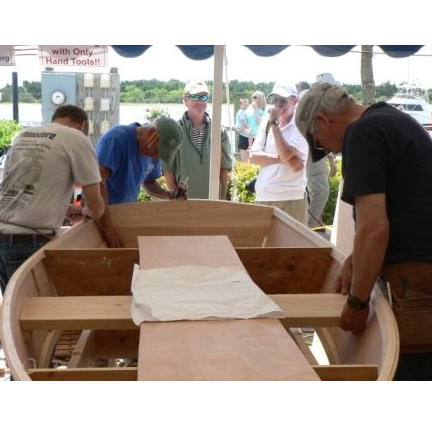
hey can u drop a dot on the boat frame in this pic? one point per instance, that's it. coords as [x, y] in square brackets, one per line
[285, 259]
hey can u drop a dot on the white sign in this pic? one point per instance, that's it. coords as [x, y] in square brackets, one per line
[7, 55]
[73, 55]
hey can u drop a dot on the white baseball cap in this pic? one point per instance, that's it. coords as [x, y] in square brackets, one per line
[283, 90]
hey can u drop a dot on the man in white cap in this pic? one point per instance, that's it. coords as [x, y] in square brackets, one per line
[129, 157]
[192, 161]
[281, 152]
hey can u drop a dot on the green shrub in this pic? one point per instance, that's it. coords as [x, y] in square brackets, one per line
[246, 172]
[330, 207]
[8, 129]
[243, 173]
[143, 196]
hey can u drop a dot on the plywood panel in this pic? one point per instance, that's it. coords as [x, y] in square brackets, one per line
[287, 270]
[256, 349]
[171, 251]
[109, 271]
[91, 271]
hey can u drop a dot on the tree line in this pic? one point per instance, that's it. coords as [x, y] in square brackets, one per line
[155, 91]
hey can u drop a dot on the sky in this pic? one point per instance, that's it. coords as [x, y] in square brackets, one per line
[295, 63]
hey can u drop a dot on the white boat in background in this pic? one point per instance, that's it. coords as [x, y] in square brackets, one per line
[414, 101]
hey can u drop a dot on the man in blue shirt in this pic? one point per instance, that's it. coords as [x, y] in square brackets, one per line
[129, 156]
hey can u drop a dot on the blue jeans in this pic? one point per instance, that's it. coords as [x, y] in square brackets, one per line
[13, 255]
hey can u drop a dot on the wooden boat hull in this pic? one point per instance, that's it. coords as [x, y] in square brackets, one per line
[283, 257]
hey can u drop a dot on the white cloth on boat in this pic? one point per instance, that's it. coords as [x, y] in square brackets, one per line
[198, 293]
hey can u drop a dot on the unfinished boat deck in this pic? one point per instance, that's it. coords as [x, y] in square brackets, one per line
[76, 283]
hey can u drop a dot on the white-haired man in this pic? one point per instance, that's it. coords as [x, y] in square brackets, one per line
[387, 170]
[317, 174]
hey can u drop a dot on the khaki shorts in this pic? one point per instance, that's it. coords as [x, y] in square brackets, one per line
[298, 209]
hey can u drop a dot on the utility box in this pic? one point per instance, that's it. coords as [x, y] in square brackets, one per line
[57, 89]
[97, 93]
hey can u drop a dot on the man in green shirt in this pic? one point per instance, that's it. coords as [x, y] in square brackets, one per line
[192, 161]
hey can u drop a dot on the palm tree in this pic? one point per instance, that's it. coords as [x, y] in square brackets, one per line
[367, 79]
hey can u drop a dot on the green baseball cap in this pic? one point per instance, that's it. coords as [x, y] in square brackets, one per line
[170, 138]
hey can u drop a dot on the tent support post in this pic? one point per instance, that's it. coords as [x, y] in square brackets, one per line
[215, 153]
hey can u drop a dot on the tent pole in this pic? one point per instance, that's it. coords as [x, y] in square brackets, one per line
[215, 153]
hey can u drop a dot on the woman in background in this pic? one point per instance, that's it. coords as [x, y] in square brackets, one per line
[256, 112]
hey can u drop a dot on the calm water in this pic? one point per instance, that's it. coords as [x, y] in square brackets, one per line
[31, 114]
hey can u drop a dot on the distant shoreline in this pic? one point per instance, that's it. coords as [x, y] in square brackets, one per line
[30, 114]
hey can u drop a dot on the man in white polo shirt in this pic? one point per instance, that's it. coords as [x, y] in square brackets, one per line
[281, 152]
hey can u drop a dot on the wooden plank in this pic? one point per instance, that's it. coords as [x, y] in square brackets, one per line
[85, 374]
[245, 225]
[287, 270]
[80, 352]
[359, 372]
[113, 312]
[311, 310]
[75, 313]
[256, 349]
[343, 225]
[243, 236]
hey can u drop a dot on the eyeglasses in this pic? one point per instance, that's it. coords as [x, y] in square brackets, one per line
[197, 97]
[280, 100]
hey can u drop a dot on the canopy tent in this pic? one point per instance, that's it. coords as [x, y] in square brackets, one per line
[202, 52]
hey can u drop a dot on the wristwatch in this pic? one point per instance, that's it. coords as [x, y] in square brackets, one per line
[355, 303]
[275, 122]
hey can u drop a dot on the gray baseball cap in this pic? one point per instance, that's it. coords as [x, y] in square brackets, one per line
[305, 116]
[170, 138]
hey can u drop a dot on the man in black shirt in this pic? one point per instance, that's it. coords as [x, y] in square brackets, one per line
[387, 170]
